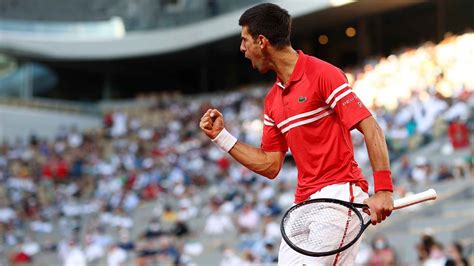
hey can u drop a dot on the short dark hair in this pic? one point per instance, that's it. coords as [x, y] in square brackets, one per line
[269, 20]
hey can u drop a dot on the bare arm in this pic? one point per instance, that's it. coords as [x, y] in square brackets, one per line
[261, 162]
[375, 142]
[380, 204]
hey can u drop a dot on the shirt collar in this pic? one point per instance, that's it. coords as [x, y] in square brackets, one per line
[297, 71]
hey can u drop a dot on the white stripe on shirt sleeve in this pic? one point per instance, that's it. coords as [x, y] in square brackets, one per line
[265, 122]
[338, 89]
[340, 97]
[268, 118]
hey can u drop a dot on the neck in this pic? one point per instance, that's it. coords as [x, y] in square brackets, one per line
[284, 62]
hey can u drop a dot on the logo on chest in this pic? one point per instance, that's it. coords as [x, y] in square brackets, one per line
[302, 99]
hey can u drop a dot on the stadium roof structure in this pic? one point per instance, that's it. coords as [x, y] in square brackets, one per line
[106, 40]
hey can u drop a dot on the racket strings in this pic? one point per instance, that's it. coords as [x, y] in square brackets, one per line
[322, 227]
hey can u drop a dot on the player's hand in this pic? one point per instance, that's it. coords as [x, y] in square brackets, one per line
[212, 123]
[380, 206]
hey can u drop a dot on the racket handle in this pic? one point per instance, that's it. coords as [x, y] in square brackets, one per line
[429, 194]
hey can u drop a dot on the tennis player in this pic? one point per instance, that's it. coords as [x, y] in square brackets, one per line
[310, 110]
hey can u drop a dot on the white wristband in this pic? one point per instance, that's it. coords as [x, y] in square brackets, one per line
[225, 140]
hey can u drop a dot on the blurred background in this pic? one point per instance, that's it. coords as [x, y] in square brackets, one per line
[102, 161]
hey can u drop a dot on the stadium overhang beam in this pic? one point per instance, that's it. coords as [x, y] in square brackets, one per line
[138, 44]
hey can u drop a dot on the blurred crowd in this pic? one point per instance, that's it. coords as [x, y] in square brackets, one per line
[421, 93]
[149, 188]
[430, 252]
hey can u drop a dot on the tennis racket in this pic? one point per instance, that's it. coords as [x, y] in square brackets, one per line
[311, 227]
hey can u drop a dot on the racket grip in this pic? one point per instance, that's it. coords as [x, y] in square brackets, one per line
[429, 194]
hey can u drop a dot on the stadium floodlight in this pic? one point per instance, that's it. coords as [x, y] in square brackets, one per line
[341, 2]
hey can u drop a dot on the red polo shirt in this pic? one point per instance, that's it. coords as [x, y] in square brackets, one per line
[312, 115]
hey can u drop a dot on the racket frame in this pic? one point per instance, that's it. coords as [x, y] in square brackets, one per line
[427, 195]
[352, 206]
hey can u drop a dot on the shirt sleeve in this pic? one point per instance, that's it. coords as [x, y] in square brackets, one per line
[337, 93]
[272, 139]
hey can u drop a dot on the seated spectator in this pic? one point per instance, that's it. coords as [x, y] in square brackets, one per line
[455, 255]
[125, 242]
[436, 256]
[217, 222]
[7, 214]
[19, 257]
[404, 173]
[269, 256]
[444, 173]
[180, 229]
[421, 172]
[153, 229]
[269, 207]
[116, 256]
[169, 217]
[75, 256]
[423, 248]
[460, 170]
[382, 253]
[458, 133]
[147, 251]
[230, 258]
[271, 229]
[168, 254]
[248, 219]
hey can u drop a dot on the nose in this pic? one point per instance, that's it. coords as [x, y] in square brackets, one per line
[242, 47]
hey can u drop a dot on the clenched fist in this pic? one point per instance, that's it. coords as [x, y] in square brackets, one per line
[212, 123]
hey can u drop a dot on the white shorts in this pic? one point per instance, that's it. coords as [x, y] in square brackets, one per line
[347, 192]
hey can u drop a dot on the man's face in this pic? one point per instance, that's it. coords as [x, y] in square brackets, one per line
[252, 51]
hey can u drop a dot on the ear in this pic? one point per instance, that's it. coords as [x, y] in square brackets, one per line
[262, 41]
